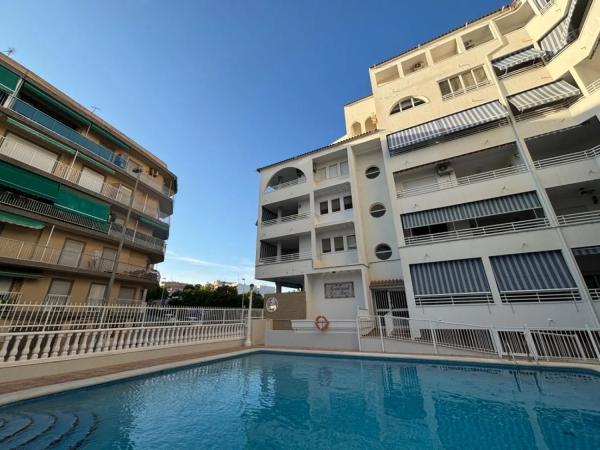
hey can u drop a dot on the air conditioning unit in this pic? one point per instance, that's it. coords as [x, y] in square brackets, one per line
[417, 66]
[469, 44]
[444, 169]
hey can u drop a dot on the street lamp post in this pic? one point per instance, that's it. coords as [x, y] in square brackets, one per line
[248, 342]
[243, 293]
[113, 273]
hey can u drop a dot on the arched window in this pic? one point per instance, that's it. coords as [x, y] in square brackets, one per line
[356, 128]
[286, 177]
[407, 103]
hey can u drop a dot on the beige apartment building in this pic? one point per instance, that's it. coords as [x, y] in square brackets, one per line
[68, 180]
[465, 189]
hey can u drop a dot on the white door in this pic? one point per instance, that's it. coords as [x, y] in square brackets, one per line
[91, 180]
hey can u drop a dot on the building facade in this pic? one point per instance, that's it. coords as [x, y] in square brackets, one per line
[70, 184]
[466, 188]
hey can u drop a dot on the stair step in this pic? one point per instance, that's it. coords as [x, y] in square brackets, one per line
[40, 423]
[65, 423]
[85, 426]
[12, 426]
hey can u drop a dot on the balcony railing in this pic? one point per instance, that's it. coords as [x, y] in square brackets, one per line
[541, 296]
[595, 294]
[590, 153]
[341, 176]
[57, 300]
[465, 90]
[291, 218]
[469, 233]
[29, 251]
[579, 218]
[45, 209]
[468, 298]
[287, 184]
[10, 298]
[13, 149]
[43, 119]
[462, 181]
[290, 257]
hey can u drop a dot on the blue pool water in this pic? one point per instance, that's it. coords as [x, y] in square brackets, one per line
[268, 401]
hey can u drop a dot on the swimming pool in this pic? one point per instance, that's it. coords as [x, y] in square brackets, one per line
[277, 400]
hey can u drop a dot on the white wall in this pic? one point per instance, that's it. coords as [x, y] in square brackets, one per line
[342, 308]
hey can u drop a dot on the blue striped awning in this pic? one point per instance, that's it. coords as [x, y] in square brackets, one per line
[449, 277]
[519, 57]
[549, 93]
[463, 120]
[558, 37]
[472, 210]
[532, 271]
[583, 251]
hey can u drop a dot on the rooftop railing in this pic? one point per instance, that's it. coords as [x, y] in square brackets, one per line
[462, 181]
[470, 233]
[290, 257]
[14, 149]
[284, 219]
[48, 122]
[568, 158]
[287, 184]
[579, 218]
[29, 251]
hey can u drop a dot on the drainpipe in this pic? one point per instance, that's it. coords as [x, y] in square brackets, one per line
[71, 166]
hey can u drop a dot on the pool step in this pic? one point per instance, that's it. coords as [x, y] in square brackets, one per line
[40, 424]
[86, 424]
[65, 424]
[13, 425]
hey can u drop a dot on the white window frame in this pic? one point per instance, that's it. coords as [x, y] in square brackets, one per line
[462, 89]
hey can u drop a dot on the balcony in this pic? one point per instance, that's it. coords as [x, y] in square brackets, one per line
[568, 158]
[117, 192]
[39, 254]
[541, 296]
[289, 257]
[285, 219]
[595, 294]
[149, 180]
[9, 297]
[477, 232]
[45, 209]
[337, 258]
[48, 122]
[582, 218]
[329, 170]
[286, 184]
[462, 181]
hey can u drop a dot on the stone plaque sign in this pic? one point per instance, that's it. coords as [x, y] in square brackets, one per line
[339, 290]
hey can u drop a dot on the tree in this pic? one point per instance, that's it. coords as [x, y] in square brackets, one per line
[219, 297]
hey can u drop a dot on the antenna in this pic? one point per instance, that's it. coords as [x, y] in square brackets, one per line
[9, 51]
[94, 108]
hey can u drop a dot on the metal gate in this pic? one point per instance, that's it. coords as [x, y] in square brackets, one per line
[392, 301]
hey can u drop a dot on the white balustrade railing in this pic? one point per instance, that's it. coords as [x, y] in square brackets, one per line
[593, 86]
[594, 294]
[9, 297]
[118, 192]
[469, 233]
[579, 218]
[290, 257]
[44, 317]
[461, 181]
[541, 296]
[294, 182]
[284, 219]
[29, 251]
[568, 158]
[42, 345]
[390, 334]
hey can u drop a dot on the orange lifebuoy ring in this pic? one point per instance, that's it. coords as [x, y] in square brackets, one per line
[321, 323]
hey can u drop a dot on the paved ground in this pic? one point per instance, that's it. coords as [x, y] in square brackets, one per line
[29, 383]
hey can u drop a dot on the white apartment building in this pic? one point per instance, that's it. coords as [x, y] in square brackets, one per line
[467, 185]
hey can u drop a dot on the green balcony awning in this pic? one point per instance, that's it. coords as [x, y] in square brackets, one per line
[162, 228]
[21, 221]
[8, 80]
[28, 182]
[19, 274]
[96, 129]
[80, 203]
[41, 95]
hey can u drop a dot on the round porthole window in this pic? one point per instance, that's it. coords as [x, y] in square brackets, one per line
[383, 251]
[272, 304]
[372, 172]
[377, 210]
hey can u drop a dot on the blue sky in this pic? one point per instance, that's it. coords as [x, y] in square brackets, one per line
[219, 88]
